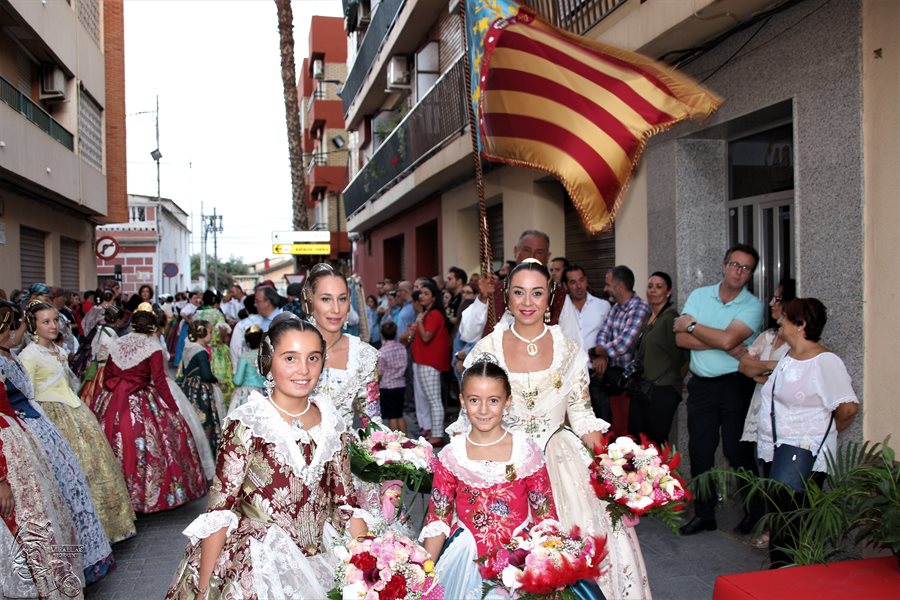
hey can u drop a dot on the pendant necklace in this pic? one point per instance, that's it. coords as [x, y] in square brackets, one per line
[531, 347]
[295, 417]
[495, 442]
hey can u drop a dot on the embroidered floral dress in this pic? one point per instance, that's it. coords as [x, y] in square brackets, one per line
[96, 552]
[40, 521]
[93, 377]
[219, 350]
[283, 493]
[354, 390]
[143, 425]
[480, 505]
[48, 371]
[542, 403]
[199, 385]
[247, 378]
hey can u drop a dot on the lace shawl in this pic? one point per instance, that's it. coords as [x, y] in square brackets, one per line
[190, 350]
[362, 363]
[12, 369]
[262, 420]
[526, 460]
[133, 349]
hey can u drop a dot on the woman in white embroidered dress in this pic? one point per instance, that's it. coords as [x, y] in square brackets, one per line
[350, 374]
[549, 386]
[282, 490]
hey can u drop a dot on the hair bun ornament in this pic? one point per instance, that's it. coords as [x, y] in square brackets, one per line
[254, 329]
[34, 302]
[145, 307]
[532, 260]
[486, 357]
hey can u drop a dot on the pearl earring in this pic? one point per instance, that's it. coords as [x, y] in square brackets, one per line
[269, 383]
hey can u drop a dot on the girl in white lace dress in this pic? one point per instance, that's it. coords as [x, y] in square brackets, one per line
[551, 404]
[282, 490]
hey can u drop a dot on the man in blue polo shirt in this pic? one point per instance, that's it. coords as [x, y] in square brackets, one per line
[717, 324]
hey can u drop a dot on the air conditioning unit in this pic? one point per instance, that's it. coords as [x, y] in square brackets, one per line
[398, 72]
[318, 69]
[53, 82]
[363, 14]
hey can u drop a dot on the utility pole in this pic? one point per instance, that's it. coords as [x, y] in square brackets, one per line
[210, 224]
[202, 276]
[216, 228]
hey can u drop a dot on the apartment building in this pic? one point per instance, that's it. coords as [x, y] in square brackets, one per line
[62, 137]
[324, 136]
[799, 161]
[152, 248]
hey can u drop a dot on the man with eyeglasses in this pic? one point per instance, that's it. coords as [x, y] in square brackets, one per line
[717, 323]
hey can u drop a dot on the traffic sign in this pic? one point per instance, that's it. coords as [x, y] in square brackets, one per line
[314, 249]
[301, 237]
[170, 269]
[106, 248]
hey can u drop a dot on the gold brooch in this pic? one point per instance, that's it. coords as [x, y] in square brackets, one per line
[510, 472]
[557, 380]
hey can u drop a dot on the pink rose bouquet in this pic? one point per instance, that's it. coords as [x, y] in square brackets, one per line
[636, 479]
[387, 567]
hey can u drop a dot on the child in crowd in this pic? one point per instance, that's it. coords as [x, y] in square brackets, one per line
[246, 376]
[489, 471]
[392, 381]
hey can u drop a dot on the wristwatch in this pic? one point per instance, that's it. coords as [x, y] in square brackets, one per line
[691, 327]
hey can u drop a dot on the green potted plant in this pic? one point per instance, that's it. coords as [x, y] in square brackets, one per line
[858, 505]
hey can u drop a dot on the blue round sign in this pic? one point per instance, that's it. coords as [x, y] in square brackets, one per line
[170, 269]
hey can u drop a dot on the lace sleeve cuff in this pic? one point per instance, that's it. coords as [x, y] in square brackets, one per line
[359, 513]
[588, 425]
[433, 529]
[209, 523]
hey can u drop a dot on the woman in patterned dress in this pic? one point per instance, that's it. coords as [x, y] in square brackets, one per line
[487, 484]
[549, 381]
[350, 377]
[143, 424]
[46, 365]
[283, 489]
[35, 516]
[113, 318]
[199, 384]
[219, 351]
[96, 552]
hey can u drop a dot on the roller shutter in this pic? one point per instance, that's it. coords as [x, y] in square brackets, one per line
[595, 253]
[31, 256]
[68, 259]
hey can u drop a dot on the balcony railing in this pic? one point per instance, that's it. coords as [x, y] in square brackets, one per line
[577, 16]
[382, 21]
[440, 115]
[34, 113]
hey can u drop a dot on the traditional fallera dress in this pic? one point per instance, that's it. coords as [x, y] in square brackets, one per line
[93, 377]
[542, 401]
[354, 390]
[479, 505]
[145, 429]
[199, 385]
[48, 371]
[284, 493]
[220, 351]
[96, 554]
[40, 521]
[247, 379]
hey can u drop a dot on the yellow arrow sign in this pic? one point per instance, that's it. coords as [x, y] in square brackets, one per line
[315, 249]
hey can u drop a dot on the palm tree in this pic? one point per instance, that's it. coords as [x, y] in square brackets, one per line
[292, 113]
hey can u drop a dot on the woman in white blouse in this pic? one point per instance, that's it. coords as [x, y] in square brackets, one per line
[809, 387]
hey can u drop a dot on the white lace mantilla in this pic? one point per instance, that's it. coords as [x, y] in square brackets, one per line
[209, 523]
[262, 420]
[526, 459]
[190, 350]
[13, 370]
[131, 350]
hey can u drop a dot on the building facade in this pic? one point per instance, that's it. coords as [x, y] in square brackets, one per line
[62, 137]
[153, 247]
[797, 162]
[324, 136]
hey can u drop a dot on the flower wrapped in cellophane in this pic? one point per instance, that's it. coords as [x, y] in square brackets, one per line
[637, 479]
[543, 562]
[387, 567]
[381, 455]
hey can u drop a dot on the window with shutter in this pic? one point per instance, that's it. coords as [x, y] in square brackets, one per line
[70, 278]
[595, 253]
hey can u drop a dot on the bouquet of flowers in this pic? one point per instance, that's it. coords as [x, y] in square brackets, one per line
[388, 567]
[635, 479]
[542, 561]
[381, 455]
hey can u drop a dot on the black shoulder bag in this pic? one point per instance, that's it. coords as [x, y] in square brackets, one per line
[792, 465]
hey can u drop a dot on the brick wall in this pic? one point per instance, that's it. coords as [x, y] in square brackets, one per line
[114, 60]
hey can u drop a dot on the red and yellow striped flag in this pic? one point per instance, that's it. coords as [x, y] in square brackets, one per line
[578, 109]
